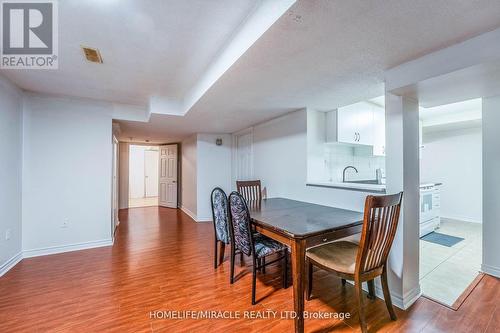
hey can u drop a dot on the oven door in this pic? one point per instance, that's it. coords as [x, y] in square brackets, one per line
[426, 204]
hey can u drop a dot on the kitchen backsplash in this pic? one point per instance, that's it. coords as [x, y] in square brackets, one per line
[338, 156]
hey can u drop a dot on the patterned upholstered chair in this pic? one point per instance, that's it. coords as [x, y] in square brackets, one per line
[220, 217]
[364, 261]
[251, 243]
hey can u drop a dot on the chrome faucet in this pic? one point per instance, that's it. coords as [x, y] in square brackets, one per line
[345, 169]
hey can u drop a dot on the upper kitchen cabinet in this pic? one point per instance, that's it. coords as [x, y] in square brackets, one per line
[360, 124]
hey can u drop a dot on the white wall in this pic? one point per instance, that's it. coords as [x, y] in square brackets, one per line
[339, 156]
[491, 186]
[454, 158]
[279, 157]
[66, 174]
[10, 173]
[189, 192]
[214, 170]
[403, 174]
[204, 166]
[316, 138]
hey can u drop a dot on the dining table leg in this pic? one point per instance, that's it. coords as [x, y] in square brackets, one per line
[298, 270]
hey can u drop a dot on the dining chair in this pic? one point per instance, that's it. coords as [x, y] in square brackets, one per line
[252, 243]
[250, 190]
[364, 261]
[220, 217]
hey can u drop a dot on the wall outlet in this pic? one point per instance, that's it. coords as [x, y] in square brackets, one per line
[65, 223]
[7, 234]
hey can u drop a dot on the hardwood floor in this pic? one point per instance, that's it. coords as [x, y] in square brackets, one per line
[162, 260]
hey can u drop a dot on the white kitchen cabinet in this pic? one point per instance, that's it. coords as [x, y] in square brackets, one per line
[347, 124]
[365, 123]
[378, 131]
[351, 124]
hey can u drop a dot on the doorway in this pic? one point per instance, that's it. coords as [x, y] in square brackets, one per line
[450, 200]
[143, 176]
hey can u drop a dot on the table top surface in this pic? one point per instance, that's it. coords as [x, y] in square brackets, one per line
[299, 219]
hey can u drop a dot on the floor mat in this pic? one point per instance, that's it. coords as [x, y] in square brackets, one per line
[442, 239]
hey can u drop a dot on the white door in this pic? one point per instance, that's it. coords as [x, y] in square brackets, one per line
[244, 157]
[151, 173]
[168, 176]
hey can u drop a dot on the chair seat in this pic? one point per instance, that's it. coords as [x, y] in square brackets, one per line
[338, 256]
[265, 246]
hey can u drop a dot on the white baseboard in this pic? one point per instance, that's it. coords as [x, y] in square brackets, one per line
[66, 248]
[194, 217]
[52, 250]
[490, 270]
[461, 218]
[189, 213]
[409, 298]
[402, 303]
[11, 263]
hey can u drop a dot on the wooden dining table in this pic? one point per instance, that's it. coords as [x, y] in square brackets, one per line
[301, 225]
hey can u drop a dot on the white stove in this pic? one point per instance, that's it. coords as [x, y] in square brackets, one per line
[430, 204]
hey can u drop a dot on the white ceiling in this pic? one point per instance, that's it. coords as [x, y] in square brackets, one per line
[452, 117]
[481, 80]
[333, 55]
[321, 54]
[149, 47]
[460, 112]
[455, 112]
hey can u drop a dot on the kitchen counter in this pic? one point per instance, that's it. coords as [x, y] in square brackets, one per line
[373, 188]
[430, 184]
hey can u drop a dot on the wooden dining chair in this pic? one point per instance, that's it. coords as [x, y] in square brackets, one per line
[364, 261]
[252, 243]
[250, 190]
[220, 218]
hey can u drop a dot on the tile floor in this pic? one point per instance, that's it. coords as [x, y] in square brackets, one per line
[142, 202]
[445, 272]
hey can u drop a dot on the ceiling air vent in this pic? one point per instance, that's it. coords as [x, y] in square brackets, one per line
[92, 55]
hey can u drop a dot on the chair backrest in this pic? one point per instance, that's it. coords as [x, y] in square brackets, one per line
[240, 223]
[381, 218]
[250, 190]
[220, 215]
